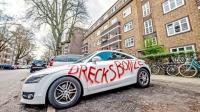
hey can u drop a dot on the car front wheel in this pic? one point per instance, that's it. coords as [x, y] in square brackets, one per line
[64, 92]
[143, 78]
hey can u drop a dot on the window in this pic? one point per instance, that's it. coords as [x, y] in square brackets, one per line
[105, 17]
[177, 27]
[124, 1]
[128, 26]
[99, 42]
[105, 27]
[114, 21]
[146, 9]
[148, 27]
[105, 56]
[61, 58]
[98, 32]
[129, 42]
[113, 9]
[73, 59]
[150, 42]
[170, 5]
[127, 12]
[188, 48]
[119, 56]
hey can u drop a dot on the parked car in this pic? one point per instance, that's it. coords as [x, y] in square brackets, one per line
[6, 66]
[38, 65]
[64, 60]
[24, 67]
[100, 71]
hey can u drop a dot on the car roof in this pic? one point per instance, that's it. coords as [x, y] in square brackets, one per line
[114, 51]
[110, 51]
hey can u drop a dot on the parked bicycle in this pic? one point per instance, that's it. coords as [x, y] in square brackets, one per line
[189, 69]
[170, 68]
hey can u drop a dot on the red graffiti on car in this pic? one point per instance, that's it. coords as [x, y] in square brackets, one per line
[96, 75]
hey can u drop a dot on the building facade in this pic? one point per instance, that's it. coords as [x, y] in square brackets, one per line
[130, 25]
[74, 47]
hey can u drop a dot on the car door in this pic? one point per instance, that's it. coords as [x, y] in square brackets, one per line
[124, 66]
[99, 74]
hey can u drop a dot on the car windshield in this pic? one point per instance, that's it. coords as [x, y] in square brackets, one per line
[67, 58]
[38, 62]
[85, 58]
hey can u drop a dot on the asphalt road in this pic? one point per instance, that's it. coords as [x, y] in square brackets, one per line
[166, 94]
[10, 83]
[10, 88]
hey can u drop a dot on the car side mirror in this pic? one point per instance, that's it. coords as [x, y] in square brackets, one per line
[96, 59]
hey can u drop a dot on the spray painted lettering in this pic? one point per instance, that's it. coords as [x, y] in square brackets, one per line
[95, 75]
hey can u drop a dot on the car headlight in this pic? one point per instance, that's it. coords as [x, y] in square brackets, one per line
[34, 79]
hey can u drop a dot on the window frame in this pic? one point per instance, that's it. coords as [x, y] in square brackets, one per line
[153, 41]
[128, 26]
[127, 12]
[129, 42]
[185, 49]
[169, 5]
[114, 8]
[180, 23]
[114, 20]
[146, 9]
[149, 25]
[98, 32]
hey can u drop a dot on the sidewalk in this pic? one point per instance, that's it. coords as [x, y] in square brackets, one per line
[192, 84]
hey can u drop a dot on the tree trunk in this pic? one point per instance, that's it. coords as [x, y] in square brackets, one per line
[16, 61]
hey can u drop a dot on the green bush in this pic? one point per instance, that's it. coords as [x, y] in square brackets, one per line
[163, 56]
[154, 50]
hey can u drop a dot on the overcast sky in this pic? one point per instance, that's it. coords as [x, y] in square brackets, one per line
[17, 8]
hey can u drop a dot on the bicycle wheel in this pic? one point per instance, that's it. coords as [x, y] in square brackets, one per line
[182, 59]
[172, 70]
[155, 69]
[188, 70]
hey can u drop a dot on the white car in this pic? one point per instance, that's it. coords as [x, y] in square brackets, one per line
[100, 71]
[64, 60]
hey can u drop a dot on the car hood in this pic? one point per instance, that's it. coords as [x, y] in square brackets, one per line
[53, 69]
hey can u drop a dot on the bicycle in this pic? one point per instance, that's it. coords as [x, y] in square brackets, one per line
[170, 68]
[189, 69]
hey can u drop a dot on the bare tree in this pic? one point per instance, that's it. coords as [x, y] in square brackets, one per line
[4, 37]
[50, 43]
[29, 58]
[60, 15]
[47, 55]
[23, 42]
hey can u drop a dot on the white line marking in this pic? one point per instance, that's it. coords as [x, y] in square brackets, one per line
[50, 109]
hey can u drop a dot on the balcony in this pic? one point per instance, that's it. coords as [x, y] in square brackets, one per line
[112, 28]
[114, 46]
[111, 41]
[85, 45]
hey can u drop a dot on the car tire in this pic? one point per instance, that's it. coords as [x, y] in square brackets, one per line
[53, 91]
[143, 78]
[31, 71]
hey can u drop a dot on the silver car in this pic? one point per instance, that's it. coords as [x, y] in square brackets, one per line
[64, 60]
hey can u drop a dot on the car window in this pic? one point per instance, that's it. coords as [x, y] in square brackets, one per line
[39, 62]
[105, 56]
[73, 59]
[85, 58]
[60, 58]
[119, 56]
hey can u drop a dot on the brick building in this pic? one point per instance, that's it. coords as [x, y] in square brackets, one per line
[130, 24]
[74, 47]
